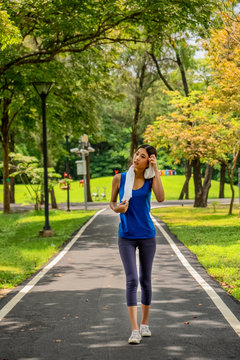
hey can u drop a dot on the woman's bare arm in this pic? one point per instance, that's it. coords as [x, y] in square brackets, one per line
[157, 187]
[156, 183]
[121, 208]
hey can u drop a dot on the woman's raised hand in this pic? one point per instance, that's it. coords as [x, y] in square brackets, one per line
[153, 162]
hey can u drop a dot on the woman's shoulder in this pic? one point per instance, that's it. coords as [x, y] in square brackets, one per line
[116, 182]
[120, 175]
[119, 178]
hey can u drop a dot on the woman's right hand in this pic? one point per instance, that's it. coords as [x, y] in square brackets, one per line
[122, 207]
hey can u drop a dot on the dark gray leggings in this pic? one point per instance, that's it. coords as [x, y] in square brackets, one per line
[147, 249]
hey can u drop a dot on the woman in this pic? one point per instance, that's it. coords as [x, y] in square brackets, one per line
[136, 230]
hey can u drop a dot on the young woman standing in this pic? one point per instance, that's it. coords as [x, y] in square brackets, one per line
[136, 230]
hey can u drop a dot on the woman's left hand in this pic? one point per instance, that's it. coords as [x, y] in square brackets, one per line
[153, 162]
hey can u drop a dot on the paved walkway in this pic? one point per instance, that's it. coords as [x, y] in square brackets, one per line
[77, 311]
[100, 205]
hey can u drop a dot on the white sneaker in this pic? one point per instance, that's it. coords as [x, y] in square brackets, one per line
[144, 330]
[135, 337]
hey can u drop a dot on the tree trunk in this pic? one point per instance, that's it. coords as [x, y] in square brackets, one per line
[139, 99]
[222, 181]
[201, 191]
[37, 204]
[230, 176]
[5, 146]
[6, 192]
[53, 199]
[198, 188]
[207, 183]
[41, 199]
[135, 138]
[185, 188]
[12, 190]
[160, 73]
[89, 196]
[183, 74]
[236, 153]
[12, 179]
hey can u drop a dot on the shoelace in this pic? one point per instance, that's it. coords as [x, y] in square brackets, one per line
[136, 332]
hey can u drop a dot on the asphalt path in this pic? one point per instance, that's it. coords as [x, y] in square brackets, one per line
[78, 309]
[103, 204]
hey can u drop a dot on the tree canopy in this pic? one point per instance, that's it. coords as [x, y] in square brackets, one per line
[76, 45]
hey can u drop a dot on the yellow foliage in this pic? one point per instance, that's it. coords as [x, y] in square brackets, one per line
[224, 52]
[202, 125]
[193, 130]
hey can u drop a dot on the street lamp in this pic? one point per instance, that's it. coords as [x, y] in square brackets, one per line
[43, 88]
[67, 171]
[83, 149]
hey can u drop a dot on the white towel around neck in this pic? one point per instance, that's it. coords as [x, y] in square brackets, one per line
[130, 177]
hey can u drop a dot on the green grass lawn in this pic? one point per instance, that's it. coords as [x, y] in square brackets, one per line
[22, 251]
[172, 186]
[213, 236]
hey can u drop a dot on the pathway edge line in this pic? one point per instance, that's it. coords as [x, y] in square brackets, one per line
[13, 302]
[222, 307]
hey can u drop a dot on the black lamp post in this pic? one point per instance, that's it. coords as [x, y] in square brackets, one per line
[43, 89]
[67, 171]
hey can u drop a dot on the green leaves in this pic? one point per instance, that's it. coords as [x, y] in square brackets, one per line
[69, 41]
[27, 168]
[9, 33]
[72, 26]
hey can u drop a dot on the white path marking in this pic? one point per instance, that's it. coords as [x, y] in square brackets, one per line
[223, 308]
[10, 305]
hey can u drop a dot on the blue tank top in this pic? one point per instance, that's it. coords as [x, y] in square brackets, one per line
[136, 223]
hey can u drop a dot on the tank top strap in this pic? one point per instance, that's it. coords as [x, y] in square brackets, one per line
[122, 185]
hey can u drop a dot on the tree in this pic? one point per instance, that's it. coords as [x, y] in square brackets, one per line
[138, 72]
[31, 175]
[76, 83]
[175, 54]
[193, 131]
[65, 27]
[231, 163]
[223, 48]
[45, 34]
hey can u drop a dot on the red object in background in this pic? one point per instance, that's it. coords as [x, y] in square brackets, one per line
[65, 174]
[116, 171]
[170, 172]
[63, 185]
[81, 182]
[160, 172]
[69, 176]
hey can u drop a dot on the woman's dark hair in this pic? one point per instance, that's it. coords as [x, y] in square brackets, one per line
[150, 149]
